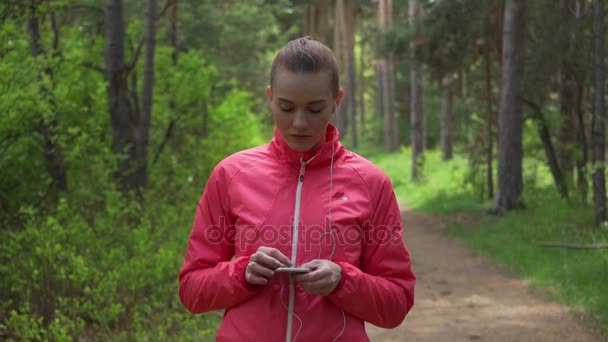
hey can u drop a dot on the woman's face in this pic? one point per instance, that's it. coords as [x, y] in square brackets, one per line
[302, 104]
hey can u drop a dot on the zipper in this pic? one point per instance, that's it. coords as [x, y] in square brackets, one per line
[294, 245]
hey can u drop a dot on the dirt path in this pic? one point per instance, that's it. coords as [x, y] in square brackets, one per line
[461, 297]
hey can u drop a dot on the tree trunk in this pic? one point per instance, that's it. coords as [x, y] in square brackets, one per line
[385, 80]
[599, 112]
[581, 163]
[143, 135]
[567, 94]
[379, 102]
[416, 102]
[361, 88]
[489, 122]
[552, 158]
[174, 59]
[340, 51]
[445, 136]
[323, 21]
[53, 153]
[351, 93]
[124, 117]
[510, 125]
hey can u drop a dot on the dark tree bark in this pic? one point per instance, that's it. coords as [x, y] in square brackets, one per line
[124, 117]
[416, 103]
[143, 135]
[552, 158]
[510, 124]
[581, 163]
[379, 134]
[567, 92]
[445, 120]
[340, 50]
[53, 153]
[361, 89]
[351, 76]
[174, 59]
[599, 112]
[489, 122]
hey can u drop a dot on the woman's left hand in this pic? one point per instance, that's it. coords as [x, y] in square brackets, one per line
[323, 277]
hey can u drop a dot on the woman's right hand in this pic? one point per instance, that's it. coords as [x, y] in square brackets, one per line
[262, 265]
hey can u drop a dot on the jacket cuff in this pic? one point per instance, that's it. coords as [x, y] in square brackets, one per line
[348, 271]
[240, 266]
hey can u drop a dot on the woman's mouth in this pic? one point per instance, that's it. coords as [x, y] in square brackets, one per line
[300, 136]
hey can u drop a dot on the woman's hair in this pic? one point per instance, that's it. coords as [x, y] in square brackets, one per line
[306, 55]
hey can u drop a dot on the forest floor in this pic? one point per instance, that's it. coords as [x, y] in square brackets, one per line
[464, 297]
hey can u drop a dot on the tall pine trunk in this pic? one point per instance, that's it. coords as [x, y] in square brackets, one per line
[143, 134]
[416, 101]
[445, 132]
[340, 50]
[361, 88]
[510, 118]
[351, 75]
[489, 122]
[124, 116]
[599, 112]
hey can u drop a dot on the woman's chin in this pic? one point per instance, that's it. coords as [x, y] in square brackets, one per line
[300, 147]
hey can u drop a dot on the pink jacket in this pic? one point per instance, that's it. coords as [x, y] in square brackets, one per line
[250, 201]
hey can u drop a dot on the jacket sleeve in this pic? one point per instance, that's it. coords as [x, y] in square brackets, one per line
[382, 290]
[209, 279]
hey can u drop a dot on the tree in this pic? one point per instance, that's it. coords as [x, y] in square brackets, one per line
[445, 135]
[122, 110]
[340, 48]
[510, 118]
[351, 75]
[599, 113]
[53, 153]
[384, 68]
[143, 129]
[416, 98]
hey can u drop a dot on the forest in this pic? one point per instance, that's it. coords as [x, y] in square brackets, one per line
[115, 112]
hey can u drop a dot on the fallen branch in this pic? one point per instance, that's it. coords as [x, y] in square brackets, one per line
[574, 245]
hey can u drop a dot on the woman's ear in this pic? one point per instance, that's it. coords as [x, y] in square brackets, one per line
[269, 94]
[339, 97]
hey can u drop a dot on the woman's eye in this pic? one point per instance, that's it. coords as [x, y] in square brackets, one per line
[316, 111]
[286, 109]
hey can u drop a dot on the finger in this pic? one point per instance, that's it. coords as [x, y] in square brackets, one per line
[312, 277]
[275, 253]
[255, 280]
[260, 270]
[266, 260]
[313, 264]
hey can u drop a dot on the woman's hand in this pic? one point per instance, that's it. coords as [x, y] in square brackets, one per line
[322, 279]
[262, 265]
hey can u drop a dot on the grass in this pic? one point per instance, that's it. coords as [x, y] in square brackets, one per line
[578, 278]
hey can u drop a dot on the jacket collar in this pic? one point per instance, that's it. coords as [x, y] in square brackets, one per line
[281, 151]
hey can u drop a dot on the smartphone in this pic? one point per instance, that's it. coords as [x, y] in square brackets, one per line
[293, 270]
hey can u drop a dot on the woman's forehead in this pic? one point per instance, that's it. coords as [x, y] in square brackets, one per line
[302, 86]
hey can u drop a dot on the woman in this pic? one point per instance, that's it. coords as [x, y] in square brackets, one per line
[303, 200]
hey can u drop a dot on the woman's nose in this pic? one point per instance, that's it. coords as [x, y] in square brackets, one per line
[300, 121]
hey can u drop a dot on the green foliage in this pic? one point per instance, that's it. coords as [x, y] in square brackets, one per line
[94, 263]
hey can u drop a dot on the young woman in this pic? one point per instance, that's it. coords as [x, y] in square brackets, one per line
[301, 201]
